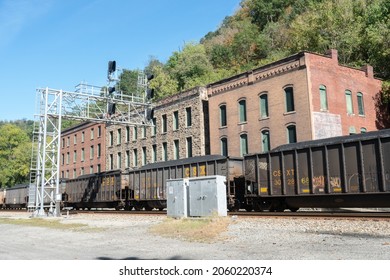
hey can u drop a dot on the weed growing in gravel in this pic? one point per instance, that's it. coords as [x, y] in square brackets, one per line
[47, 223]
[193, 229]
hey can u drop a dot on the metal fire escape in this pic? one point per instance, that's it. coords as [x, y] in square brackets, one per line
[86, 103]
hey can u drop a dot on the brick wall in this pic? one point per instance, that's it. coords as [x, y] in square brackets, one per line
[72, 144]
[304, 72]
[271, 80]
[326, 71]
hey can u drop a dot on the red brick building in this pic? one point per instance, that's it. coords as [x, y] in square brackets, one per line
[83, 149]
[302, 97]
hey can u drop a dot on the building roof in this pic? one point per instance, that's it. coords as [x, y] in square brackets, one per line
[76, 127]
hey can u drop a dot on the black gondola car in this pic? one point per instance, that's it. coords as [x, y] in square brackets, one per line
[350, 171]
[98, 190]
[147, 185]
[15, 197]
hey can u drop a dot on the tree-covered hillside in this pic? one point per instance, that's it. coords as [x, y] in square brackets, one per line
[262, 31]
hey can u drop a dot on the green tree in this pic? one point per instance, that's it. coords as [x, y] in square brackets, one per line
[382, 106]
[330, 24]
[376, 37]
[67, 123]
[15, 152]
[163, 83]
[24, 124]
[190, 67]
[247, 45]
[128, 82]
[262, 12]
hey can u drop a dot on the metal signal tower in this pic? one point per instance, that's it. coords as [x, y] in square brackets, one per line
[87, 103]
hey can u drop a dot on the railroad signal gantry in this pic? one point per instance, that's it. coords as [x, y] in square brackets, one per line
[87, 103]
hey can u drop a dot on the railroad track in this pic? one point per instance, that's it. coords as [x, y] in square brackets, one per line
[299, 214]
[308, 214]
[315, 214]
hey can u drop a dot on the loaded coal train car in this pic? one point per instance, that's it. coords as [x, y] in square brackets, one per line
[19, 196]
[15, 197]
[98, 190]
[350, 171]
[147, 185]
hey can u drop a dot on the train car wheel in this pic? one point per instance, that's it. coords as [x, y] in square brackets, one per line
[263, 205]
[236, 206]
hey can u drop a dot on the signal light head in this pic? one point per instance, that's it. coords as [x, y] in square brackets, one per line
[149, 113]
[111, 108]
[111, 89]
[149, 77]
[149, 93]
[111, 66]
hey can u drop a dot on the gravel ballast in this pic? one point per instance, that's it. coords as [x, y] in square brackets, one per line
[126, 237]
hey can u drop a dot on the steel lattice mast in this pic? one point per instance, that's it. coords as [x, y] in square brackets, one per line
[87, 103]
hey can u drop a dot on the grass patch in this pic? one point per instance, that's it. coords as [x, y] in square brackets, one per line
[196, 230]
[46, 223]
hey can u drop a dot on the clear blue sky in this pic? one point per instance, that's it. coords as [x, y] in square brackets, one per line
[59, 43]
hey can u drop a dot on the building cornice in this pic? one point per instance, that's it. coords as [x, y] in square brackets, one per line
[279, 67]
[197, 92]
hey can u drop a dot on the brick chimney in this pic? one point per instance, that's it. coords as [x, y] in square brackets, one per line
[369, 71]
[333, 55]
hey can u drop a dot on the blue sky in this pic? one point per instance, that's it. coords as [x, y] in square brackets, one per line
[59, 43]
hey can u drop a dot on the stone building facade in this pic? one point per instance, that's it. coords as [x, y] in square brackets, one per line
[180, 131]
[82, 150]
[302, 97]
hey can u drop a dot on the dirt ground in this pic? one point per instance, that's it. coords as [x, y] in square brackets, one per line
[128, 237]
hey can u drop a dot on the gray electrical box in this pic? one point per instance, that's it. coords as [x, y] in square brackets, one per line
[177, 198]
[207, 196]
[196, 197]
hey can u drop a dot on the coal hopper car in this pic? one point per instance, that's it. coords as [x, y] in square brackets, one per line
[98, 190]
[350, 171]
[15, 197]
[147, 185]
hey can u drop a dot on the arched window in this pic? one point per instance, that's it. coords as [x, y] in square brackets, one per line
[224, 147]
[264, 106]
[323, 98]
[243, 144]
[291, 134]
[363, 130]
[360, 103]
[222, 115]
[289, 96]
[242, 110]
[348, 99]
[176, 147]
[265, 141]
[189, 146]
